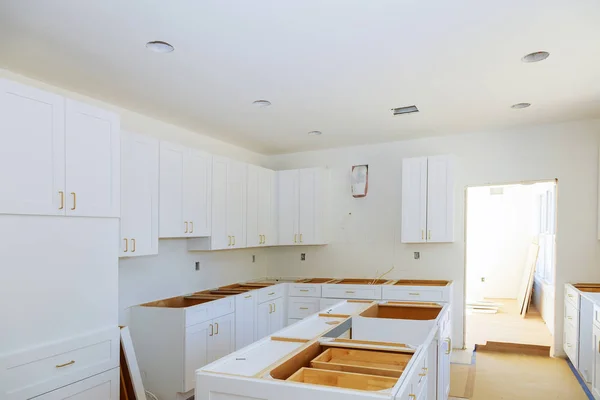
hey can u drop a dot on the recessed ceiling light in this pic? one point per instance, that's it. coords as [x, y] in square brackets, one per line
[518, 106]
[261, 103]
[535, 57]
[315, 133]
[159, 46]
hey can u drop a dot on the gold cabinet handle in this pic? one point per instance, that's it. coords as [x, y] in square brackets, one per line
[248, 297]
[191, 226]
[264, 239]
[424, 373]
[301, 238]
[126, 245]
[414, 294]
[349, 291]
[212, 332]
[74, 200]
[304, 290]
[412, 396]
[270, 308]
[429, 236]
[133, 241]
[295, 236]
[570, 295]
[229, 244]
[271, 294]
[274, 307]
[62, 200]
[66, 364]
[186, 227]
[304, 308]
[233, 244]
[217, 325]
[569, 317]
[599, 346]
[422, 234]
[449, 340]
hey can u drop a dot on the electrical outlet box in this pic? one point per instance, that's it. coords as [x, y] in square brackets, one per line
[302, 256]
[197, 265]
[253, 258]
[417, 255]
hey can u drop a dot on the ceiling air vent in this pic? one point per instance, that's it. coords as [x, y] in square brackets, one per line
[405, 110]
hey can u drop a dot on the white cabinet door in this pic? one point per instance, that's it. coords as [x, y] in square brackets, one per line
[236, 203]
[307, 191]
[222, 342]
[93, 161]
[197, 340]
[197, 193]
[32, 151]
[253, 236]
[287, 206]
[440, 199]
[266, 207]
[245, 320]
[263, 320]
[139, 195]
[414, 200]
[220, 238]
[596, 365]
[277, 322]
[444, 352]
[171, 215]
[104, 386]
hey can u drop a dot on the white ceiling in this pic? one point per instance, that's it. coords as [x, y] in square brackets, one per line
[332, 65]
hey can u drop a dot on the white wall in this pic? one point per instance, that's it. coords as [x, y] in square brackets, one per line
[500, 229]
[172, 272]
[366, 232]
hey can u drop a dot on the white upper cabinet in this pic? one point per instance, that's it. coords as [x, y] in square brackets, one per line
[92, 161]
[427, 200]
[302, 206]
[58, 157]
[32, 151]
[228, 207]
[260, 217]
[139, 195]
[185, 192]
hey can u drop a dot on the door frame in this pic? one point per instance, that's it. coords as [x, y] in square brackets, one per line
[528, 182]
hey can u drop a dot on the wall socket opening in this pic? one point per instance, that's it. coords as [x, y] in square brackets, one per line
[417, 255]
[253, 258]
[302, 256]
[197, 265]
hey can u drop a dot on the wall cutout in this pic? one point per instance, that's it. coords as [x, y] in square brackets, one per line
[360, 180]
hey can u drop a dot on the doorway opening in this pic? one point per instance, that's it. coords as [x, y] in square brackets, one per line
[510, 265]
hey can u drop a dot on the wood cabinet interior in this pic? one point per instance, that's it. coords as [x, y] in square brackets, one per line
[588, 287]
[355, 281]
[316, 280]
[410, 282]
[246, 286]
[344, 367]
[178, 302]
[344, 380]
[402, 311]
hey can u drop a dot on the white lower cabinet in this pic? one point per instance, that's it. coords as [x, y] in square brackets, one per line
[596, 362]
[245, 319]
[196, 351]
[302, 307]
[270, 317]
[104, 386]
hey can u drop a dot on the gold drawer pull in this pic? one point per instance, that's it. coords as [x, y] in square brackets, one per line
[271, 294]
[569, 317]
[66, 364]
[304, 290]
[247, 297]
[304, 308]
[570, 295]
[349, 291]
[414, 294]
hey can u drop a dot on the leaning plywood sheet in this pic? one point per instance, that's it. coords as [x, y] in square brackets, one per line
[132, 365]
[527, 280]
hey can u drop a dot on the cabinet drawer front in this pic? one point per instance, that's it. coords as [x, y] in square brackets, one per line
[302, 307]
[41, 370]
[197, 314]
[305, 290]
[222, 307]
[104, 386]
[572, 296]
[369, 292]
[413, 294]
[270, 293]
[571, 315]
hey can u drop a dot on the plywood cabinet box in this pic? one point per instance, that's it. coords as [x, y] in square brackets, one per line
[184, 334]
[185, 192]
[428, 199]
[63, 156]
[302, 205]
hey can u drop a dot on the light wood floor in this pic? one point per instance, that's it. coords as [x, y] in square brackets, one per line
[507, 326]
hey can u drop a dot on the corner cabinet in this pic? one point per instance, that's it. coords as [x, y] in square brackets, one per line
[58, 156]
[139, 195]
[228, 207]
[428, 199]
[260, 214]
[185, 192]
[302, 203]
